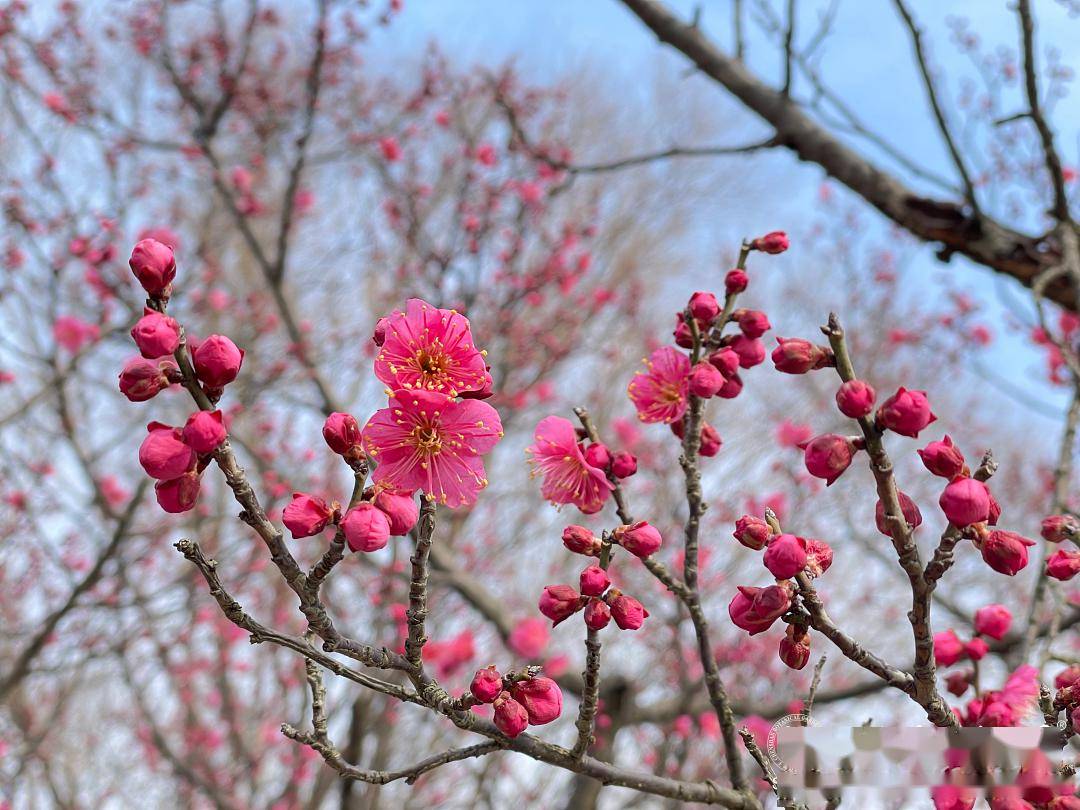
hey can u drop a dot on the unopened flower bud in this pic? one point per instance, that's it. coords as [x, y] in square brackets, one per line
[365, 527]
[726, 361]
[510, 716]
[795, 647]
[559, 603]
[993, 621]
[755, 609]
[704, 307]
[958, 682]
[705, 380]
[580, 540]
[178, 494]
[163, 453]
[753, 323]
[1006, 552]
[205, 431]
[772, 242]
[379, 335]
[597, 614]
[155, 334]
[1058, 528]
[154, 266]
[819, 556]
[342, 434]
[905, 412]
[798, 356]
[750, 351]
[943, 458]
[594, 581]
[1067, 677]
[855, 399]
[732, 388]
[736, 281]
[486, 684]
[628, 612]
[640, 539]
[217, 361]
[597, 455]
[1063, 564]
[400, 509]
[143, 379]
[827, 456]
[965, 501]
[306, 515]
[710, 443]
[976, 649]
[683, 334]
[752, 532]
[948, 649]
[623, 464]
[909, 509]
[785, 556]
[541, 698]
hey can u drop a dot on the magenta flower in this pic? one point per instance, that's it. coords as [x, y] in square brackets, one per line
[425, 440]
[430, 348]
[568, 478]
[660, 393]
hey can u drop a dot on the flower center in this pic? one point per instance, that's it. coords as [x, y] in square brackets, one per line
[669, 392]
[431, 364]
[426, 439]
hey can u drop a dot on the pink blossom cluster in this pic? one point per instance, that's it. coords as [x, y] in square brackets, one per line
[518, 701]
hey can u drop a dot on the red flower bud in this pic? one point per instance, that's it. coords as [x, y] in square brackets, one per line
[732, 388]
[1063, 564]
[785, 556]
[976, 649]
[366, 528]
[704, 307]
[594, 581]
[855, 399]
[772, 242]
[154, 266]
[379, 335]
[306, 515]
[798, 356]
[205, 431]
[943, 458]
[486, 684]
[819, 556]
[995, 510]
[1006, 552]
[559, 603]
[828, 456]
[178, 494]
[541, 698]
[752, 323]
[993, 621]
[1058, 528]
[156, 335]
[628, 612]
[1067, 677]
[710, 443]
[597, 455]
[948, 649]
[597, 614]
[217, 361]
[623, 464]
[683, 335]
[736, 281]
[755, 609]
[142, 379]
[705, 380]
[342, 433]
[752, 532]
[906, 412]
[640, 539]
[581, 541]
[750, 351]
[400, 509]
[909, 509]
[958, 682]
[965, 501]
[795, 647]
[510, 716]
[726, 361]
[163, 453]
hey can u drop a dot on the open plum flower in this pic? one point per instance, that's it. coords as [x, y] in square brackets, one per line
[556, 454]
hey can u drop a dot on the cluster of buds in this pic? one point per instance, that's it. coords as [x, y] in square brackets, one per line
[368, 524]
[518, 700]
[175, 457]
[991, 621]
[786, 556]
[1063, 564]
[1067, 697]
[600, 602]
[641, 539]
[621, 464]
